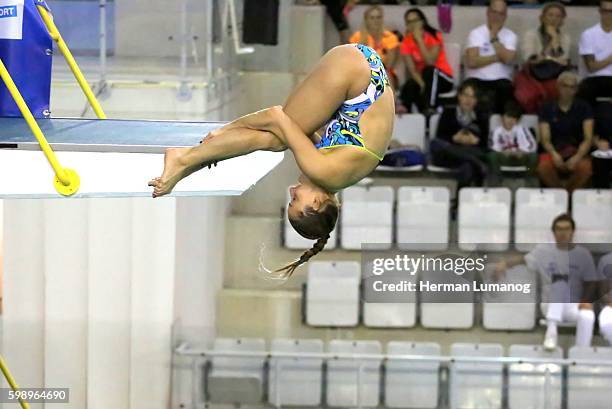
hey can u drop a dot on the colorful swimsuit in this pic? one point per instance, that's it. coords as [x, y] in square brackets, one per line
[343, 129]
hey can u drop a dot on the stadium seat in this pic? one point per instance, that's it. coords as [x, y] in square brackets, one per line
[423, 218]
[367, 217]
[476, 384]
[534, 386]
[511, 311]
[446, 310]
[293, 241]
[398, 314]
[295, 381]
[408, 130]
[332, 293]
[353, 382]
[484, 219]
[592, 211]
[589, 385]
[453, 55]
[412, 384]
[237, 380]
[534, 212]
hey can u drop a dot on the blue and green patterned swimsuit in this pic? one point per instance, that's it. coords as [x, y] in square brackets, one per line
[343, 129]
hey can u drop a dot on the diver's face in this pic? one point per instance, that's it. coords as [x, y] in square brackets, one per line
[301, 196]
[306, 194]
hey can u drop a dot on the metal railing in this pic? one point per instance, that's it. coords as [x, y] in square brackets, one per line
[541, 366]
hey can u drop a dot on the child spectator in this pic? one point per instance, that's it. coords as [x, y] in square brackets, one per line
[512, 144]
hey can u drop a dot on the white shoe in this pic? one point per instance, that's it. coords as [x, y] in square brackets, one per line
[550, 342]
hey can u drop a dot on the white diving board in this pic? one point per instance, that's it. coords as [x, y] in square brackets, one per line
[116, 158]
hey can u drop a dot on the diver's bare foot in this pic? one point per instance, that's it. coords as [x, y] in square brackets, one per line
[174, 170]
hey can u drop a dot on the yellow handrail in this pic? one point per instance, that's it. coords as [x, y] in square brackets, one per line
[55, 35]
[11, 382]
[67, 180]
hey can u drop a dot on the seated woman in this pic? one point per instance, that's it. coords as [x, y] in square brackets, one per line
[462, 138]
[349, 91]
[425, 58]
[546, 51]
[374, 35]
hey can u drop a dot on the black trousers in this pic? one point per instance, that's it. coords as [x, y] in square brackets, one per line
[494, 94]
[469, 162]
[602, 169]
[436, 83]
[335, 10]
[592, 88]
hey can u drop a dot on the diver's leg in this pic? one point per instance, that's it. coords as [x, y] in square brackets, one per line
[182, 162]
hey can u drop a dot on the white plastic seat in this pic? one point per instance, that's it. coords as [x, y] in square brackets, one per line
[408, 130]
[294, 241]
[476, 385]
[433, 129]
[353, 382]
[534, 386]
[534, 212]
[589, 386]
[453, 55]
[295, 381]
[446, 310]
[423, 218]
[511, 311]
[592, 211]
[237, 380]
[484, 219]
[367, 217]
[401, 313]
[332, 293]
[412, 384]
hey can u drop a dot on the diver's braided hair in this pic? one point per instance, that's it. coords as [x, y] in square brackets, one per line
[287, 271]
[314, 225]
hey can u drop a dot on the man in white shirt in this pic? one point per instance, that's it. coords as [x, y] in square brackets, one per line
[490, 51]
[569, 282]
[604, 268]
[596, 50]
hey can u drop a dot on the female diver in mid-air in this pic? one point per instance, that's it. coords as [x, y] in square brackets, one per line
[349, 91]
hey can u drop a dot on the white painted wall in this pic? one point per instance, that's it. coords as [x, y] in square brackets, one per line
[93, 288]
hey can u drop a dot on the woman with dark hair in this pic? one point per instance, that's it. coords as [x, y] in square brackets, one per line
[462, 139]
[349, 92]
[425, 58]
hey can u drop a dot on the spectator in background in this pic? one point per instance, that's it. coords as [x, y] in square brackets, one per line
[604, 269]
[512, 144]
[374, 35]
[545, 51]
[566, 130]
[596, 50]
[569, 281]
[461, 140]
[335, 10]
[424, 56]
[602, 157]
[491, 49]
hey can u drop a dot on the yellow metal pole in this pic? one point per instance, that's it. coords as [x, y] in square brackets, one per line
[67, 180]
[11, 382]
[55, 35]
